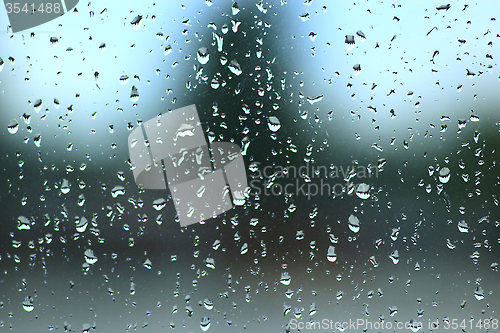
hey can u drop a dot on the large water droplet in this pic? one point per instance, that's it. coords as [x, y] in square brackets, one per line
[158, 204]
[208, 304]
[205, 324]
[38, 140]
[244, 248]
[353, 223]
[124, 79]
[234, 67]
[479, 293]
[90, 257]
[23, 223]
[463, 226]
[394, 257]
[444, 175]
[13, 126]
[81, 224]
[285, 279]
[210, 263]
[235, 9]
[28, 304]
[147, 264]
[361, 36]
[136, 22]
[134, 94]
[117, 190]
[38, 105]
[331, 255]
[65, 186]
[349, 42]
[363, 191]
[273, 123]
[203, 55]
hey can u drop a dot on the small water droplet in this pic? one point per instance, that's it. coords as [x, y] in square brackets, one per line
[134, 94]
[349, 42]
[203, 55]
[13, 126]
[136, 22]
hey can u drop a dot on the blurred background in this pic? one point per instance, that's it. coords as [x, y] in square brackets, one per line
[410, 89]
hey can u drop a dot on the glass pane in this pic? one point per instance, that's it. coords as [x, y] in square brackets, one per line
[249, 166]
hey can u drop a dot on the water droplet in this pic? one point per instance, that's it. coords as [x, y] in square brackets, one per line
[123, 79]
[208, 304]
[203, 55]
[353, 223]
[90, 257]
[38, 140]
[136, 22]
[65, 186]
[393, 310]
[273, 123]
[363, 191]
[210, 263]
[463, 226]
[23, 223]
[373, 261]
[54, 41]
[315, 99]
[13, 126]
[235, 9]
[158, 204]
[28, 304]
[394, 257]
[244, 249]
[479, 293]
[147, 264]
[215, 83]
[235, 68]
[38, 105]
[304, 17]
[117, 190]
[357, 69]
[349, 42]
[331, 255]
[285, 279]
[205, 324]
[361, 36]
[82, 224]
[134, 94]
[444, 175]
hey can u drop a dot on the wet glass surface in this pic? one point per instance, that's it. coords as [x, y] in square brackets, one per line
[367, 133]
